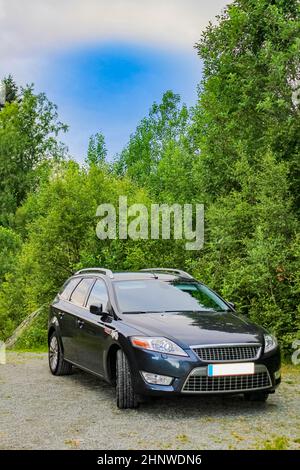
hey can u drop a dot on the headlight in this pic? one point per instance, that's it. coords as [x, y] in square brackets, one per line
[270, 343]
[162, 345]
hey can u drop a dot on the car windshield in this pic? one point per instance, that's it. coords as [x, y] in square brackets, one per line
[148, 296]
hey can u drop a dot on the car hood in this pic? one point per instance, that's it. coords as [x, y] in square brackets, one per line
[191, 328]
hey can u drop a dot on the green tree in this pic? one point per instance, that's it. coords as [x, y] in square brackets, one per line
[97, 151]
[28, 136]
[250, 252]
[10, 244]
[251, 61]
[167, 122]
[11, 89]
[237, 151]
[245, 137]
[60, 219]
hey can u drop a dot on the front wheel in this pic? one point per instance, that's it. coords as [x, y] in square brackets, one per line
[125, 394]
[57, 364]
[257, 396]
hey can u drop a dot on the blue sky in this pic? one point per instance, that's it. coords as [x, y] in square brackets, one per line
[104, 62]
[110, 88]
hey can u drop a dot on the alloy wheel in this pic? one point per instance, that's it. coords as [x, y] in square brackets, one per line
[53, 353]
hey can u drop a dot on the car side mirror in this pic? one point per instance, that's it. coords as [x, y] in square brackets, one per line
[232, 305]
[96, 309]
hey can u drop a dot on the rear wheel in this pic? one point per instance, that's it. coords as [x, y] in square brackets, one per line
[125, 394]
[57, 364]
[256, 396]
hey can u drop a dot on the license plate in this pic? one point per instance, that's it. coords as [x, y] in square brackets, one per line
[244, 368]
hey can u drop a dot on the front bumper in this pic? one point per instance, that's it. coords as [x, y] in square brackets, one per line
[183, 368]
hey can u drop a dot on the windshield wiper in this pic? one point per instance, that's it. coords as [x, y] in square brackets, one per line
[192, 311]
[143, 311]
[174, 311]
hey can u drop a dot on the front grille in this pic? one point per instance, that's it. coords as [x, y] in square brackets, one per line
[227, 352]
[231, 383]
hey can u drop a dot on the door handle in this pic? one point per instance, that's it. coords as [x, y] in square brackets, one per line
[80, 323]
[60, 315]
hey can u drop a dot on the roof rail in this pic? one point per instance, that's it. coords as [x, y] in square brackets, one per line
[107, 272]
[169, 270]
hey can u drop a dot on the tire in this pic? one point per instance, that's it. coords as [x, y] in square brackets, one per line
[57, 364]
[256, 396]
[125, 394]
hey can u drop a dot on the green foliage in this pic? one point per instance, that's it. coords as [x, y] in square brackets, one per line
[10, 244]
[35, 336]
[97, 151]
[11, 89]
[276, 443]
[61, 222]
[246, 126]
[28, 131]
[237, 151]
[166, 125]
[251, 60]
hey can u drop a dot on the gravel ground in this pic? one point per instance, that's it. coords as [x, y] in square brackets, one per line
[39, 411]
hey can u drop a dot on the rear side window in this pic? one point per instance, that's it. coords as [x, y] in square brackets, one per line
[69, 287]
[79, 294]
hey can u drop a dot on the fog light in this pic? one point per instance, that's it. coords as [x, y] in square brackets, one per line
[277, 374]
[156, 379]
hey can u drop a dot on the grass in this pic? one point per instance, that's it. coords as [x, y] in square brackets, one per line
[290, 368]
[165, 446]
[73, 443]
[183, 438]
[276, 443]
[237, 436]
[43, 348]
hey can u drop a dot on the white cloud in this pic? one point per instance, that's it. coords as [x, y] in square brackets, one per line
[29, 27]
